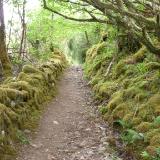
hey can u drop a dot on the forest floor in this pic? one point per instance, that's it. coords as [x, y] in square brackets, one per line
[70, 128]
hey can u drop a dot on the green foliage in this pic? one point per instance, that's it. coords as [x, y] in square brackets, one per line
[46, 31]
[103, 110]
[121, 123]
[145, 155]
[141, 68]
[157, 121]
[22, 137]
[16, 61]
[131, 136]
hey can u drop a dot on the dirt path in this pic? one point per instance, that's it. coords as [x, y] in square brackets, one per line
[69, 129]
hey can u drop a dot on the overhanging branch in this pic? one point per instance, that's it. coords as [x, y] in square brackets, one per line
[71, 18]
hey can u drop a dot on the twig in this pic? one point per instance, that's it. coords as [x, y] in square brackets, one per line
[109, 67]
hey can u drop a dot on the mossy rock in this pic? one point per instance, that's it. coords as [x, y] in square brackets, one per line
[116, 99]
[23, 86]
[131, 92]
[9, 80]
[157, 110]
[131, 89]
[146, 112]
[155, 140]
[136, 121]
[140, 54]
[144, 127]
[17, 95]
[154, 100]
[7, 152]
[3, 96]
[151, 133]
[29, 69]
[121, 110]
[23, 96]
[151, 150]
[153, 65]
[120, 68]
[106, 89]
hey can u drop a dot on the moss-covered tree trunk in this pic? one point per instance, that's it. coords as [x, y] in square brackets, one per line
[6, 64]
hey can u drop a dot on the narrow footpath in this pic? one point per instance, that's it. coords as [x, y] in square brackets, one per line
[69, 129]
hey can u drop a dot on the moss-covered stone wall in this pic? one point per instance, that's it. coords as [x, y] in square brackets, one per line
[22, 96]
[129, 87]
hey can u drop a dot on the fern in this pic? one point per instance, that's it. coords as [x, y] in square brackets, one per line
[121, 123]
[22, 137]
[130, 136]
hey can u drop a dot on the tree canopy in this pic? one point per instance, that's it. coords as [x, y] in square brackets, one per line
[138, 17]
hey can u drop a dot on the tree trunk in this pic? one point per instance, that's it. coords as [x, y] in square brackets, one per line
[23, 30]
[6, 64]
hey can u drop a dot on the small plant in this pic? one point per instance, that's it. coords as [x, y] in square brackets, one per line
[22, 137]
[141, 68]
[157, 121]
[145, 155]
[129, 136]
[121, 123]
[103, 110]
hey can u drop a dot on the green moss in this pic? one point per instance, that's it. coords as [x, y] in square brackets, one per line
[153, 65]
[142, 96]
[120, 68]
[128, 117]
[117, 98]
[157, 110]
[23, 85]
[29, 69]
[154, 100]
[131, 92]
[155, 140]
[151, 133]
[144, 127]
[7, 69]
[103, 110]
[146, 112]
[7, 152]
[136, 121]
[121, 110]
[140, 55]
[131, 88]
[106, 89]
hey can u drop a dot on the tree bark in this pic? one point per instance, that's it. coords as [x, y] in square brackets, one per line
[23, 30]
[6, 64]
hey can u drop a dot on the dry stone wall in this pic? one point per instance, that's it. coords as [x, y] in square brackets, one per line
[20, 97]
